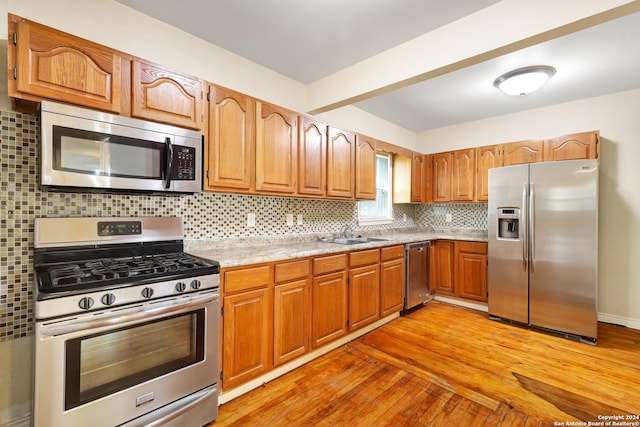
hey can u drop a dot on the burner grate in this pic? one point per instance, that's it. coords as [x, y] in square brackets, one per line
[106, 271]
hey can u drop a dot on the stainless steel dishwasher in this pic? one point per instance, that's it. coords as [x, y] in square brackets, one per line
[416, 282]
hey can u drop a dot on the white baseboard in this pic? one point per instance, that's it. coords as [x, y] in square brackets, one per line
[464, 303]
[619, 320]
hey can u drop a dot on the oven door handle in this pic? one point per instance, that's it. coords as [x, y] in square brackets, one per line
[145, 314]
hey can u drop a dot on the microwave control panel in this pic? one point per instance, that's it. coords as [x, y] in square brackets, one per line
[184, 163]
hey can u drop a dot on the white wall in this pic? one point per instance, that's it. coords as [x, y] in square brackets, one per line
[616, 116]
[112, 24]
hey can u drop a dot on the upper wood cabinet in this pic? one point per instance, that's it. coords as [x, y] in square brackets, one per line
[487, 157]
[162, 95]
[442, 177]
[230, 146]
[365, 168]
[340, 163]
[517, 153]
[47, 63]
[276, 149]
[312, 156]
[576, 146]
[463, 175]
[427, 180]
[417, 178]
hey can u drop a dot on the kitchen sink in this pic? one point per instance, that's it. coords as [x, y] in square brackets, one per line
[354, 240]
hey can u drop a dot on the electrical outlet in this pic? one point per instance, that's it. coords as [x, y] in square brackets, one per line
[251, 220]
[290, 220]
[448, 217]
[300, 219]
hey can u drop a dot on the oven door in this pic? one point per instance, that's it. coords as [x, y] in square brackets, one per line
[108, 368]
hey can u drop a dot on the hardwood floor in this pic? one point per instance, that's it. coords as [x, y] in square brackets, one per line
[444, 365]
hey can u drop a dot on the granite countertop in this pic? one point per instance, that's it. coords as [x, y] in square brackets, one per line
[239, 252]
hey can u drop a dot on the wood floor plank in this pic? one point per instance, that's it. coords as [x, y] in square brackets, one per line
[444, 365]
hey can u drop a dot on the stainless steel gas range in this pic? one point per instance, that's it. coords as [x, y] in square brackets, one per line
[126, 325]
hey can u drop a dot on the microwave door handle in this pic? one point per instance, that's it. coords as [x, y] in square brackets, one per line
[169, 163]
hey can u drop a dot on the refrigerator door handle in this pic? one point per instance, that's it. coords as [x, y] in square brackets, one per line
[524, 229]
[532, 222]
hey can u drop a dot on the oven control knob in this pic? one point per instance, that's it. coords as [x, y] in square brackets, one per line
[86, 303]
[147, 292]
[195, 284]
[180, 287]
[108, 299]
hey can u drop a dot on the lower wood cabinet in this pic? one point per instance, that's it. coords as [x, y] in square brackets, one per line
[441, 271]
[391, 280]
[364, 288]
[275, 312]
[471, 270]
[291, 311]
[459, 269]
[247, 335]
[330, 299]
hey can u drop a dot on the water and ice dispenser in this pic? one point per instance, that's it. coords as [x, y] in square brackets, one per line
[509, 223]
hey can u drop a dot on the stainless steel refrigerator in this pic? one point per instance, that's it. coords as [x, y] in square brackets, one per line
[543, 246]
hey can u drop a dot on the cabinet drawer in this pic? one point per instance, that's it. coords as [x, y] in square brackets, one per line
[391, 252]
[364, 257]
[247, 278]
[329, 264]
[474, 247]
[288, 271]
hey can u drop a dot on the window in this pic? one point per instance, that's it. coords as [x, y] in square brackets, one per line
[379, 211]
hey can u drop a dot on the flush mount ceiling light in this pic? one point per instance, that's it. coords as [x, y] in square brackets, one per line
[525, 80]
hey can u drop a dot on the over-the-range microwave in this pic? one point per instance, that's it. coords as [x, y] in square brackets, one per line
[84, 148]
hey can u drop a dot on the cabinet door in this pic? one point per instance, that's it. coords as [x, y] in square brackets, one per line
[55, 65]
[391, 286]
[247, 334]
[340, 163]
[417, 178]
[463, 175]
[276, 149]
[517, 153]
[471, 270]
[577, 146]
[163, 95]
[330, 310]
[365, 168]
[364, 296]
[487, 157]
[292, 321]
[427, 195]
[442, 177]
[230, 145]
[442, 257]
[312, 166]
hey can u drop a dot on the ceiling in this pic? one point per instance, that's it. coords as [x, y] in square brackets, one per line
[308, 40]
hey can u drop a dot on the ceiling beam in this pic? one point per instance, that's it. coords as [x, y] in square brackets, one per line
[502, 28]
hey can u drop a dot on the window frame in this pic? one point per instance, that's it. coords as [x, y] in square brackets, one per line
[388, 218]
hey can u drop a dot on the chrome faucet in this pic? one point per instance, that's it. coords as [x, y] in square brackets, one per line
[344, 230]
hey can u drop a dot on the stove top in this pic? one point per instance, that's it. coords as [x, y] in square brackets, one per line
[105, 272]
[91, 264]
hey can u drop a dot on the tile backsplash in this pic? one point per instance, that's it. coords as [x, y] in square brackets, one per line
[205, 215]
